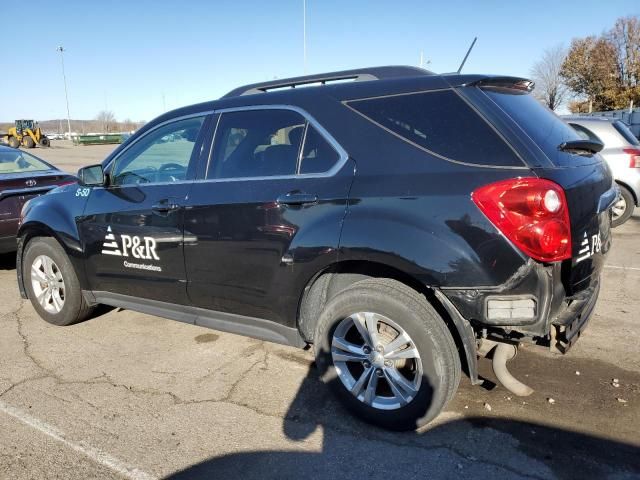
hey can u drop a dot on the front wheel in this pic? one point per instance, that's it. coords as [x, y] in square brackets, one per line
[14, 142]
[44, 141]
[28, 142]
[387, 354]
[52, 284]
[623, 208]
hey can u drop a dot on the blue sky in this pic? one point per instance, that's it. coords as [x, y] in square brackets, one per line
[126, 56]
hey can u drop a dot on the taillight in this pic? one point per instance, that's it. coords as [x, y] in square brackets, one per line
[634, 157]
[532, 213]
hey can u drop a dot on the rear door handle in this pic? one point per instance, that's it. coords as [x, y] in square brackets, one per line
[297, 198]
[165, 206]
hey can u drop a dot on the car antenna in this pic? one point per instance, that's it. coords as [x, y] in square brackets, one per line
[467, 55]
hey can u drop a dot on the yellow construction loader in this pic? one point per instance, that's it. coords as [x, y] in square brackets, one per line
[26, 133]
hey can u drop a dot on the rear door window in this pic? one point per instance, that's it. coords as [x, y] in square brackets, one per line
[441, 123]
[257, 143]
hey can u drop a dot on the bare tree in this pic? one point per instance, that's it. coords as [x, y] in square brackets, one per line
[107, 121]
[550, 87]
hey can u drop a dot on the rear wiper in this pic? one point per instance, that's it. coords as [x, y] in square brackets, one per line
[581, 147]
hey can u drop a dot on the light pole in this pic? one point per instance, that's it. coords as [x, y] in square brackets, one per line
[66, 95]
[304, 35]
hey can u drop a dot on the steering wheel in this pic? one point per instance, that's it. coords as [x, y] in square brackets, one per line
[171, 168]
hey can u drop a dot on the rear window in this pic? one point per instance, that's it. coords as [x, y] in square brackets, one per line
[543, 126]
[441, 123]
[17, 161]
[625, 132]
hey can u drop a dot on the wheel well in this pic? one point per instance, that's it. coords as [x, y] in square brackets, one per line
[331, 281]
[24, 238]
[633, 194]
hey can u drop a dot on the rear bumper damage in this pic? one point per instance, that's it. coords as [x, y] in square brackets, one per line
[531, 308]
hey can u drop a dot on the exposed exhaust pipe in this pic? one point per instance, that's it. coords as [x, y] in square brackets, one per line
[501, 355]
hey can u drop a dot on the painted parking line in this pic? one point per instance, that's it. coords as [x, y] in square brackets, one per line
[81, 447]
[618, 267]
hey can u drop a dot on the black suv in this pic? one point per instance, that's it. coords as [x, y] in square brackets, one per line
[403, 223]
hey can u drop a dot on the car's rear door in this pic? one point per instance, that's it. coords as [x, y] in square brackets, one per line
[132, 229]
[267, 213]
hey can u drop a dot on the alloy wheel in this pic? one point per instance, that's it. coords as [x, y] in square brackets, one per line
[376, 360]
[619, 208]
[48, 284]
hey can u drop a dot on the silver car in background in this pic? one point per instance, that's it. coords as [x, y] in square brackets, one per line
[622, 153]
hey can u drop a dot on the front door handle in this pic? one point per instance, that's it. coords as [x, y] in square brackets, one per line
[165, 206]
[297, 198]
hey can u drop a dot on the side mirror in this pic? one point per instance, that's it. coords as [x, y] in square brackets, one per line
[91, 176]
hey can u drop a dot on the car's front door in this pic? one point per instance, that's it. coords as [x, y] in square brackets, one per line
[267, 215]
[132, 229]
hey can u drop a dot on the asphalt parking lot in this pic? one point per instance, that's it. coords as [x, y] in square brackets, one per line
[127, 395]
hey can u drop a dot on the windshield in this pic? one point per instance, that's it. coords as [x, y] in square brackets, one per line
[17, 161]
[543, 126]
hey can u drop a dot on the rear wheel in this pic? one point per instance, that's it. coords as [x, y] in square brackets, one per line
[28, 142]
[387, 354]
[14, 142]
[623, 208]
[52, 284]
[44, 142]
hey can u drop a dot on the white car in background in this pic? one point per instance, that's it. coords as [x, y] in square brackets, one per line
[55, 136]
[622, 153]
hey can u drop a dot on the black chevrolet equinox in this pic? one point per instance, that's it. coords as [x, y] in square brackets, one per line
[401, 222]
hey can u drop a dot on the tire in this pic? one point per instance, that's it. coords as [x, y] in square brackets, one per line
[44, 142]
[72, 305]
[623, 208]
[387, 302]
[28, 142]
[14, 142]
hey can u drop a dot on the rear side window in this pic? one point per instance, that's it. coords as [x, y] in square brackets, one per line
[440, 122]
[317, 156]
[626, 133]
[257, 143]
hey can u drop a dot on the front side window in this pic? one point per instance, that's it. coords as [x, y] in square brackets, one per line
[160, 156]
[257, 143]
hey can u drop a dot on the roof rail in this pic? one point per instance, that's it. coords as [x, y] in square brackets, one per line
[356, 75]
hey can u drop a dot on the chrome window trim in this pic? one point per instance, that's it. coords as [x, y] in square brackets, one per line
[343, 156]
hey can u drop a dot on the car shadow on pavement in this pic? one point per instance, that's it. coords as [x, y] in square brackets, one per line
[472, 447]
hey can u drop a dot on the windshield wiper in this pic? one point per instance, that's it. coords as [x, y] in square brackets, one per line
[581, 147]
